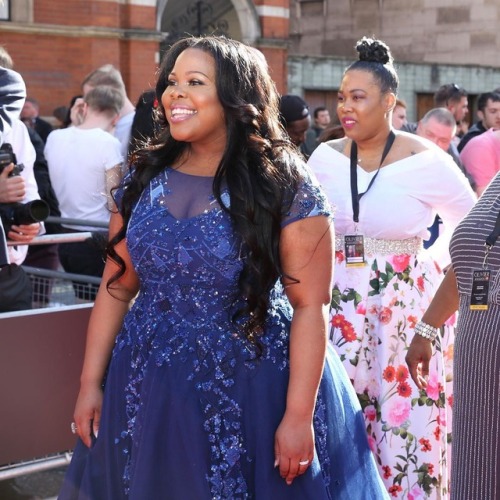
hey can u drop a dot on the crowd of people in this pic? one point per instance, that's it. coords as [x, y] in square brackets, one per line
[397, 344]
[73, 168]
[294, 304]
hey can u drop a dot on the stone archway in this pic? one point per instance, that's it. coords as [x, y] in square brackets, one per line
[237, 19]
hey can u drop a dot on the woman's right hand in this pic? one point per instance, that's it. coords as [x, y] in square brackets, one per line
[418, 358]
[87, 413]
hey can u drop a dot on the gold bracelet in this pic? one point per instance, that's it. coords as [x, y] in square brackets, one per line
[427, 331]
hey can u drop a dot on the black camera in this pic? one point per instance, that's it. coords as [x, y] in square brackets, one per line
[7, 156]
[23, 213]
[19, 213]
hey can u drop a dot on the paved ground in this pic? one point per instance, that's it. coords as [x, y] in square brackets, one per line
[37, 486]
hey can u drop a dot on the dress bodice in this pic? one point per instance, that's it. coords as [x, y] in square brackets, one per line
[188, 258]
[403, 200]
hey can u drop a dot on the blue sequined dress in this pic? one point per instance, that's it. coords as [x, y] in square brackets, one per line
[189, 413]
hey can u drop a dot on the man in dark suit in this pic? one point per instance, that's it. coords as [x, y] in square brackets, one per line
[12, 95]
[30, 117]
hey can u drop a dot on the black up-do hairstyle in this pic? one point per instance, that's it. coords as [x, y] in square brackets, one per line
[259, 166]
[375, 56]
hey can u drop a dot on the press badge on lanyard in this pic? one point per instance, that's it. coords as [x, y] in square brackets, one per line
[481, 277]
[480, 289]
[354, 243]
[354, 250]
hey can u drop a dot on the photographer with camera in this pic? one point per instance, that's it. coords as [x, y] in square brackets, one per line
[17, 183]
[19, 211]
[18, 188]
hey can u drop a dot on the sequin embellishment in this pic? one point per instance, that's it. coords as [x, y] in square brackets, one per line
[189, 270]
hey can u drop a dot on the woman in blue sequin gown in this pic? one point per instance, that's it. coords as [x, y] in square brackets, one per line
[210, 326]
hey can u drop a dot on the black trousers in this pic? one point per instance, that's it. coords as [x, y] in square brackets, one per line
[85, 257]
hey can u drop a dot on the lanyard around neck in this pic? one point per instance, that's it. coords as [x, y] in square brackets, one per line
[491, 239]
[493, 236]
[355, 196]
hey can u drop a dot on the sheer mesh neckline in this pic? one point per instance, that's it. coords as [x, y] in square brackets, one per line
[184, 196]
[190, 175]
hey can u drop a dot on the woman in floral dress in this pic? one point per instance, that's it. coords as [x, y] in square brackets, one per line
[387, 187]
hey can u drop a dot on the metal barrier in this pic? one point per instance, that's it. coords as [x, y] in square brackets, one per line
[41, 357]
[37, 465]
[77, 222]
[41, 354]
[59, 288]
[48, 239]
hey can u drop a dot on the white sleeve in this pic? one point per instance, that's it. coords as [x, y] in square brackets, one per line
[452, 198]
[113, 155]
[25, 153]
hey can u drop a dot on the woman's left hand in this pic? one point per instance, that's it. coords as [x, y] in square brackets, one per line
[293, 447]
[417, 358]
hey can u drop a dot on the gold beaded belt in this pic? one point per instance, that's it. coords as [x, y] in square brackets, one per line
[385, 247]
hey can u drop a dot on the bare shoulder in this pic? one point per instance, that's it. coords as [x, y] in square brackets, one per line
[411, 144]
[338, 144]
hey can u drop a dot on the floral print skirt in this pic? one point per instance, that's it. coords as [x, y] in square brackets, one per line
[373, 316]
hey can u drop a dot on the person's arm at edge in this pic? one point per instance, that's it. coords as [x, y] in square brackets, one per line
[443, 305]
[479, 160]
[12, 96]
[307, 255]
[452, 203]
[113, 179]
[104, 324]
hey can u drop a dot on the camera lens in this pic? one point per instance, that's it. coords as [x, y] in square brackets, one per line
[38, 211]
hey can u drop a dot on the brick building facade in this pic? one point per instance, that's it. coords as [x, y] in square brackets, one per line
[433, 42]
[55, 43]
[308, 43]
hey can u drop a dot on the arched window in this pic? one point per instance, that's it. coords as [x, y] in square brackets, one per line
[236, 19]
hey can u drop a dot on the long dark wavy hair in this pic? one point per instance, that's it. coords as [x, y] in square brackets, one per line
[260, 167]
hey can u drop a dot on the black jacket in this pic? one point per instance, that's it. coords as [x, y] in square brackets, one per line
[476, 129]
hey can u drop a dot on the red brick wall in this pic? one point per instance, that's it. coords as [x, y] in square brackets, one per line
[134, 16]
[53, 60]
[54, 66]
[77, 13]
[94, 13]
[275, 29]
[140, 69]
[277, 61]
[56, 52]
